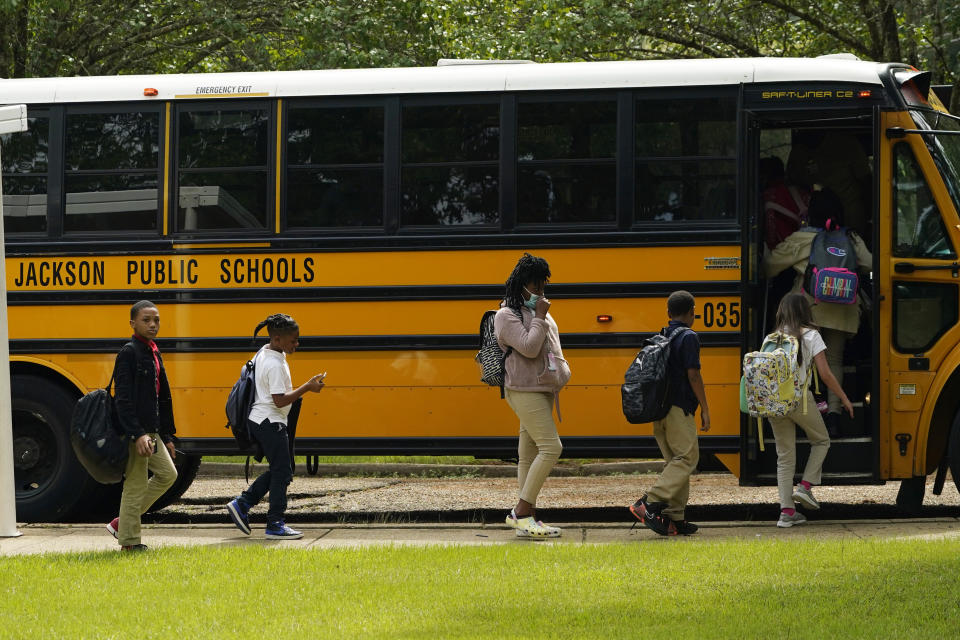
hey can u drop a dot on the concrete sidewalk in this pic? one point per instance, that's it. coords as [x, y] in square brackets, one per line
[56, 538]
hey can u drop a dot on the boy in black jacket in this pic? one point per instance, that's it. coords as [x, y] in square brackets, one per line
[662, 508]
[145, 411]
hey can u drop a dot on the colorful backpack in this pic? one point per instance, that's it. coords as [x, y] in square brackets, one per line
[831, 274]
[774, 379]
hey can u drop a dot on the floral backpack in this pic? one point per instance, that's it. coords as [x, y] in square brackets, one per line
[774, 379]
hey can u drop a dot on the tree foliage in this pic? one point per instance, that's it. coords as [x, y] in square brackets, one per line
[88, 37]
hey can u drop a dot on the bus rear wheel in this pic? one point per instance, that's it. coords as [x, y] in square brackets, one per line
[953, 451]
[50, 483]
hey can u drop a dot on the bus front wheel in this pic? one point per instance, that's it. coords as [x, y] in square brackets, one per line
[187, 467]
[50, 482]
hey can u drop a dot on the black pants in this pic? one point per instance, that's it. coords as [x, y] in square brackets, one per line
[273, 439]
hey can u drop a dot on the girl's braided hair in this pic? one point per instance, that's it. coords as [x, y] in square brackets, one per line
[529, 269]
[277, 324]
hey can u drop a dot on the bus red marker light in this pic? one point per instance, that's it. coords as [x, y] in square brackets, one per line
[604, 318]
[866, 93]
[150, 92]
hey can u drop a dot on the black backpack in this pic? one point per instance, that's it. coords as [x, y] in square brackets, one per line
[99, 443]
[491, 358]
[239, 403]
[646, 383]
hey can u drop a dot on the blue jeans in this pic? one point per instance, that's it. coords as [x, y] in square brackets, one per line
[272, 437]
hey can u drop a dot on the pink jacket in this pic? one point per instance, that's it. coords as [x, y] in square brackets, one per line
[536, 344]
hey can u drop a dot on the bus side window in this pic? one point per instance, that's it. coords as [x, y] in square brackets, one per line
[685, 159]
[449, 171]
[334, 165]
[112, 171]
[25, 176]
[566, 161]
[222, 167]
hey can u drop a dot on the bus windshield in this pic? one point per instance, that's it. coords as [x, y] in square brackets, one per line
[945, 148]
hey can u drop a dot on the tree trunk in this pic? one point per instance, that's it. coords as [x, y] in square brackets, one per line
[888, 27]
[20, 45]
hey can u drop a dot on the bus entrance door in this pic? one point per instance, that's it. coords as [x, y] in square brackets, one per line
[918, 311]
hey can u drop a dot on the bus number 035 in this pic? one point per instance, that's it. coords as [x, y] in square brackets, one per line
[721, 314]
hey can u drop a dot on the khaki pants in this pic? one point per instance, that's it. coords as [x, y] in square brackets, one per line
[785, 433]
[139, 493]
[676, 435]
[539, 446]
[835, 341]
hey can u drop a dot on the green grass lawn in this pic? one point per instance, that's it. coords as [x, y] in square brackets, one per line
[657, 589]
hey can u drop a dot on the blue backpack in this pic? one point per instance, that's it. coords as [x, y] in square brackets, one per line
[239, 403]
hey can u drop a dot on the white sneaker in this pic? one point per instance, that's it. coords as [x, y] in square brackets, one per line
[805, 497]
[530, 528]
[789, 521]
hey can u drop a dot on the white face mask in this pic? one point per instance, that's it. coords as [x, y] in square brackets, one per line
[532, 302]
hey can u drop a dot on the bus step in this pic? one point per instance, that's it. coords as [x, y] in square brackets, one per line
[842, 477]
[840, 440]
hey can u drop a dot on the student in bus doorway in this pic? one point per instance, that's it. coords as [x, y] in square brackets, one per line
[794, 317]
[145, 412]
[268, 425]
[662, 508]
[836, 322]
[534, 373]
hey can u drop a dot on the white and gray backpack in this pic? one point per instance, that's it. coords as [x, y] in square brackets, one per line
[491, 358]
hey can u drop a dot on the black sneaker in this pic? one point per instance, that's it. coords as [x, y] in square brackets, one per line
[685, 527]
[133, 547]
[639, 508]
[651, 516]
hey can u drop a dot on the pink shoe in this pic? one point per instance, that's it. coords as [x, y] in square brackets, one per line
[113, 527]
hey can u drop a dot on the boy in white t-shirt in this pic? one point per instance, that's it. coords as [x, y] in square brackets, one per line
[794, 317]
[268, 426]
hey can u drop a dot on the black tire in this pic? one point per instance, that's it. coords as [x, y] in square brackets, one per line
[103, 501]
[187, 467]
[953, 451]
[50, 482]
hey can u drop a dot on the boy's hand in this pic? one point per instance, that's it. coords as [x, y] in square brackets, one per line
[705, 419]
[172, 450]
[316, 382]
[144, 446]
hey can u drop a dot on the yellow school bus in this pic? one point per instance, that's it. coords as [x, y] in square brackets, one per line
[384, 209]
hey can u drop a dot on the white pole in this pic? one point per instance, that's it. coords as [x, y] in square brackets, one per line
[12, 119]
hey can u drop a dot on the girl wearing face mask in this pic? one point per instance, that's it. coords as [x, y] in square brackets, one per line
[535, 371]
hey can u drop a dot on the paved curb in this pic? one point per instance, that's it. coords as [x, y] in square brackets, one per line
[230, 469]
[48, 539]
